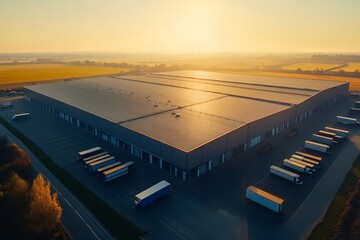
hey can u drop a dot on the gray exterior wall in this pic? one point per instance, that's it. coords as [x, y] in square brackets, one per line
[214, 151]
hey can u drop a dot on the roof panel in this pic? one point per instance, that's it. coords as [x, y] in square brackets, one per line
[280, 95]
[119, 100]
[206, 109]
[238, 109]
[260, 80]
[187, 131]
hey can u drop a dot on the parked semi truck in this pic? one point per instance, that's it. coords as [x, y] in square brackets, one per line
[331, 135]
[118, 171]
[265, 199]
[310, 156]
[297, 166]
[100, 170]
[317, 147]
[313, 167]
[96, 159]
[94, 156]
[92, 167]
[316, 163]
[283, 173]
[337, 131]
[88, 152]
[6, 105]
[323, 139]
[346, 120]
[152, 194]
[354, 110]
[20, 116]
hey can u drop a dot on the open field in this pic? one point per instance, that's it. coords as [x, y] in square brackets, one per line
[351, 67]
[354, 82]
[325, 230]
[229, 63]
[29, 73]
[310, 66]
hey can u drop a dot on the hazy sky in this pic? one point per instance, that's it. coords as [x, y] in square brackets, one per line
[180, 26]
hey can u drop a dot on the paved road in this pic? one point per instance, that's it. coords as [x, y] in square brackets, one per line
[77, 220]
[317, 202]
[212, 206]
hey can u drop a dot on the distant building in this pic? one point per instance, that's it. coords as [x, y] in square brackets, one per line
[185, 122]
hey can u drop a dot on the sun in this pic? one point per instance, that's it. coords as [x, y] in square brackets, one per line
[196, 28]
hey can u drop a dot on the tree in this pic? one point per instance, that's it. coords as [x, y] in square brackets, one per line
[13, 195]
[13, 158]
[15, 189]
[44, 211]
[3, 141]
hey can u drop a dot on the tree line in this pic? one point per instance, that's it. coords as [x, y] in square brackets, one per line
[28, 208]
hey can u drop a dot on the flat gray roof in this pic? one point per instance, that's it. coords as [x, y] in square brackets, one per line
[279, 95]
[207, 108]
[186, 132]
[119, 100]
[293, 83]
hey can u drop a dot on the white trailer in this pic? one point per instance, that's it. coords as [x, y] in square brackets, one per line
[88, 153]
[100, 170]
[96, 159]
[297, 166]
[118, 171]
[354, 110]
[346, 120]
[317, 146]
[265, 199]
[94, 156]
[331, 135]
[310, 156]
[337, 131]
[152, 194]
[316, 163]
[92, 167]
[327, 134]
[6, 105]
[20, 116]
[307, 164]
[283, 173]
[323, 139]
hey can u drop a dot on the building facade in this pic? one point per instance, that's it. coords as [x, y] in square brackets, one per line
[184, 123]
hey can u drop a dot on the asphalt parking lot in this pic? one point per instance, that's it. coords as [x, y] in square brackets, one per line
[212, 206]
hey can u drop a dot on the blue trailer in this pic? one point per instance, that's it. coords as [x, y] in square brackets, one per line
[152, 194]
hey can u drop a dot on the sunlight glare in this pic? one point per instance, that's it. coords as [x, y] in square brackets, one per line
[197, 28]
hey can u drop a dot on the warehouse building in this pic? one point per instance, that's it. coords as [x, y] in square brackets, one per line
[185, 122]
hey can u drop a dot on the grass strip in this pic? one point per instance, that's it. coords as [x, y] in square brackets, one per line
[119, 226]
[326, 228]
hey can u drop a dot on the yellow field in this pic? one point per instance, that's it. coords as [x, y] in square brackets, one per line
[26, 73]
[310, 66]
[354, 82]
[351, 67]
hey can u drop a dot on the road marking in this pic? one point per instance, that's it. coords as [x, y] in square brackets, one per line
[172, 229]
[68, 202]
[55, 188]
[92, 231]
[226, 214]
[79, 215]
